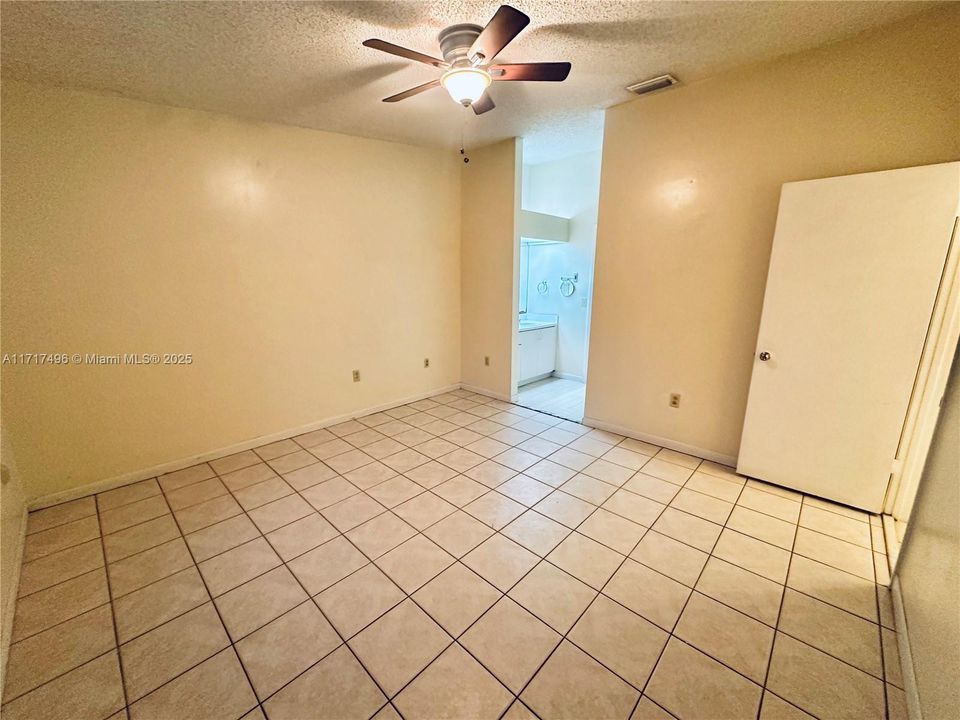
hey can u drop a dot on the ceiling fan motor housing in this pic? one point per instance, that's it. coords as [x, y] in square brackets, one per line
[456, 41]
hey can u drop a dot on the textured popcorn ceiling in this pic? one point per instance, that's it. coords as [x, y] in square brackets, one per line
[302, 63]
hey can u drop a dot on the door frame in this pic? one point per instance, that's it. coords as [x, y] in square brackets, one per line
[920, 422]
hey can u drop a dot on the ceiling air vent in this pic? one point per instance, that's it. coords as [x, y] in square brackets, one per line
[660, 82]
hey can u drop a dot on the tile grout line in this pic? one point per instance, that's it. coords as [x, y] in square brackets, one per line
[751, 572]
[260, 575]
[223, 625]
[72, 617]
[670, 633]
[528, 508]
[310, 598]
[783, 592]
[733, 505]
[505, 594]
[410, 597]
[589, 605]
[212, 601]
[63, 524]
[883, 654]
[460, 508]
[7, 701]
[319, 460]
[359, 491]
[564, 636]
[74, 577]
[262, 460]
[171, 618]
[106, 572]
[407, 596]
[113, 615]
[776, 628]
[342, 437]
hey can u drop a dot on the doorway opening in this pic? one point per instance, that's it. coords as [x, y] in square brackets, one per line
[560, 193]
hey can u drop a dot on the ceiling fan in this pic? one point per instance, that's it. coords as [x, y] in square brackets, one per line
[468, 53]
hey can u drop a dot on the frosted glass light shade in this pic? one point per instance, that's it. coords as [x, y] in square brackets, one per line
[465, 85]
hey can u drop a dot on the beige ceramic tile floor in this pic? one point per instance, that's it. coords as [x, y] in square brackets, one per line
[457, 557]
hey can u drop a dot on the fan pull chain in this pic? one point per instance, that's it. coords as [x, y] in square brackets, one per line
[463, 152]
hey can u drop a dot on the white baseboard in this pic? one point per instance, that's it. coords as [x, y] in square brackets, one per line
[150, 472]
[568, 376]
[729, 460]
[156, 470]
[891, 541]
[7, 612]
[535, 378]
[906, 657]
[485, 391]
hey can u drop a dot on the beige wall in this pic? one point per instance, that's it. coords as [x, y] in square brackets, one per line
[281, 258]
[490, 244]
[688, 202]
[928, 568]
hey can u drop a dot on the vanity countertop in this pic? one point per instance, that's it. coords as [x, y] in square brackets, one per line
[536, 324]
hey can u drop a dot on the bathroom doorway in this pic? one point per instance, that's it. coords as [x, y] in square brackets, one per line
[558, 234]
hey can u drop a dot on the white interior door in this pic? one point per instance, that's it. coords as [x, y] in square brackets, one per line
[853, 276]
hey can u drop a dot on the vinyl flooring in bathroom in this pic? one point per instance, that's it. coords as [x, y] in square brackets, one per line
[555, 396]
[458, 557]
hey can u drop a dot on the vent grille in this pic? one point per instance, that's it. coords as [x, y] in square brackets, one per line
[660, 82]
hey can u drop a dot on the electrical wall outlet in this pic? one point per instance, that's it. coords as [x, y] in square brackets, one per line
[486, 360]
[356, 376]
[426, 362]
[674, 400]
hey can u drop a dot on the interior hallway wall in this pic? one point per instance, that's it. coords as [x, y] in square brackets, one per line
[568, 188]
[928, 569]
[281, 258]
[12, 528]
[688, 202]
[490, 255]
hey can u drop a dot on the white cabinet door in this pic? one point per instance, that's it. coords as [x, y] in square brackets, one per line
[854, 273]
[524, 351]
[538, 353]
[546, 351]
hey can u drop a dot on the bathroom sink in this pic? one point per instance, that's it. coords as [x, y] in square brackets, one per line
[535, 324]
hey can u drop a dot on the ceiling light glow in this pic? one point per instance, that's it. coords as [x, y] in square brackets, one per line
[466, 85]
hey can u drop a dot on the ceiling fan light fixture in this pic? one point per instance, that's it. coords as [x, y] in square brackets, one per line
[468, 53]
[466, 85]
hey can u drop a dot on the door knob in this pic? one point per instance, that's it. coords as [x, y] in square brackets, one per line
[764, 356]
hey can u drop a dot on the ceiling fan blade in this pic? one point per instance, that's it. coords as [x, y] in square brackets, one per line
[503, 27]
[545, 72]
[412, 91]
[403, 52]
[484, 104]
